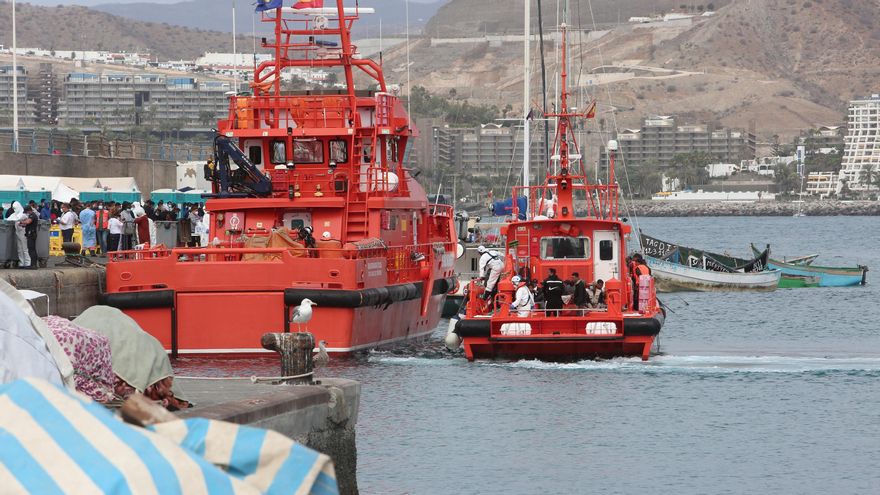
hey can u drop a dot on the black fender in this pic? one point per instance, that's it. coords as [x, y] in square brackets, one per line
[472, 328]
[643, 326]
[338, 298]
[138, 300]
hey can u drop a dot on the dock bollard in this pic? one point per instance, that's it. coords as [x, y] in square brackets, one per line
[296, 354]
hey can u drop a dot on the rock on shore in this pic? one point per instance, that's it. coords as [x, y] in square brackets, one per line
[762, 208]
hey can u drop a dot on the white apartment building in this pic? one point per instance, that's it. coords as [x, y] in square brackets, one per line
[821, 184]
[862, 143]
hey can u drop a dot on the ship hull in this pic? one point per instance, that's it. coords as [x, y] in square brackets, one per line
[635, 340]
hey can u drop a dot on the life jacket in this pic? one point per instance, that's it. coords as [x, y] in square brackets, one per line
[102, 220]
[641, 269]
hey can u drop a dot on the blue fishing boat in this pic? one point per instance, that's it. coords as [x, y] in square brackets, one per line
[828, 276]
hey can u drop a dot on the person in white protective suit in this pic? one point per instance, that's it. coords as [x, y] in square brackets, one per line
[18, 216]
[484, 260]
[494, 268]
[524, 298]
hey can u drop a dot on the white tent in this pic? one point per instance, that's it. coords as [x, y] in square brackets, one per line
[118, 184]
[11, 183]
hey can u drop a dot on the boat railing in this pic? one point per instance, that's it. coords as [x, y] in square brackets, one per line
[290, 112]
[600, 200]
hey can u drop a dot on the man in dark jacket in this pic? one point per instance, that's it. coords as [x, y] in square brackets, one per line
[31, 224]
[553, 291]
[579, 298]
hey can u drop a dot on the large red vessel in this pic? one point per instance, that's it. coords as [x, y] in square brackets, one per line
[570, 226]
[331, 160]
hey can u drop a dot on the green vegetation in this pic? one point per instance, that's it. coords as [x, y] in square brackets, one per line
[450, 110]
[690, 168]
[787, 179]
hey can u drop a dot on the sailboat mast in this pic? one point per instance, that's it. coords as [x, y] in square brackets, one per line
[527, 148]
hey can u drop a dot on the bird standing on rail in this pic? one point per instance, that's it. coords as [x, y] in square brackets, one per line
[303, 313]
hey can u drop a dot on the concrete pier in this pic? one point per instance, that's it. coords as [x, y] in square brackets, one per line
[322, 416]
[71, 290]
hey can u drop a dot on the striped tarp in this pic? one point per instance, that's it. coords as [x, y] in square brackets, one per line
[55, 442]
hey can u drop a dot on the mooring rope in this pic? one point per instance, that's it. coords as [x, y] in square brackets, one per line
[253, 379]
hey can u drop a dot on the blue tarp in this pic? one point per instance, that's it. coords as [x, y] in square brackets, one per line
[505, 207]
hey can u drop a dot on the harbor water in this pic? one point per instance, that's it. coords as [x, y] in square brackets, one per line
[748, 393]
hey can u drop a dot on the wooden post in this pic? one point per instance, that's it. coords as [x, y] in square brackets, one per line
[296, 353]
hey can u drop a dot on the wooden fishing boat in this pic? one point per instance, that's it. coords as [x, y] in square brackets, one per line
[680, 268]
[828, 276]
[797, 281]
[552, 234]
[381, 259]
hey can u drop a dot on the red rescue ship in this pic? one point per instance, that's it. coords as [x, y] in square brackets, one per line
[571, 226]
[380, 260]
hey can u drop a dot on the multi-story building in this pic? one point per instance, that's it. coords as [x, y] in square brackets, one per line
[44, 91]
[861, 152]
[822, 184]
[117, 99]
[824, 139]
[487, 151]
[660, 138]
[25, 106]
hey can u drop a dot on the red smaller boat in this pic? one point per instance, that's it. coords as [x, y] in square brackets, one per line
[571, 226]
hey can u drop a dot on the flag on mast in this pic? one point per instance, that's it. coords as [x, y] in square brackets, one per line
[263, 5]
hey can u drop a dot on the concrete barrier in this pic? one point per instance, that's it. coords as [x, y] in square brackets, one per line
[71, 290]
[322, 416]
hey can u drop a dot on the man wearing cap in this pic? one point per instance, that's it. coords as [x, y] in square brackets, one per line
[524, 298]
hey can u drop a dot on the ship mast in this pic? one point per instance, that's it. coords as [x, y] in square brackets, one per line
[527, 148]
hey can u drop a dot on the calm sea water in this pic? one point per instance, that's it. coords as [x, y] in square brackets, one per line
[750, 393]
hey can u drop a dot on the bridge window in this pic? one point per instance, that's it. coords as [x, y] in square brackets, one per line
[339, 151]
[279, 152]
[606, 250]
[255, 154]
[561, 248]
[308, 151]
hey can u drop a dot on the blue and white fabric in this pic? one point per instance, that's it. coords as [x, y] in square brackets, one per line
[56, 442]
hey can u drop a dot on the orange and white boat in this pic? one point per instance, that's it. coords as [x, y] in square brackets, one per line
[571, 226]
[330, 160]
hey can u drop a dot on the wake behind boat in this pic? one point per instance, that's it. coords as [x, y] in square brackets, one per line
[680, 268]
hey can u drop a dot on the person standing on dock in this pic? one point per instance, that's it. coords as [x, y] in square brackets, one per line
[553, 291]
[31, 224]
[67, 222]
[89, 232]
[102, 223]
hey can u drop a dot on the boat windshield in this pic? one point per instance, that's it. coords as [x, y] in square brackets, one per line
[555, 248]
[308, 151]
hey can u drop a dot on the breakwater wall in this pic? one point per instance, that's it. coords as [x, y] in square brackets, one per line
[761, 208]
[322, 416]
[149, 174]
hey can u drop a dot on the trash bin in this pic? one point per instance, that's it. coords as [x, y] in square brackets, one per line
[8, 249]
[43, 242]
[166, 234]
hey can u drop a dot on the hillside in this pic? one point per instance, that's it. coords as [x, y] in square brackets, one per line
[76, 28]
[778, 66]
[467, 18]
[205, 14]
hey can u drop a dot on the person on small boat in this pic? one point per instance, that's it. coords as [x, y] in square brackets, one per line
[596, 295]
[524, 298]
[553, 292]
[484, 260]
[579, 297]
[494, 269]
[639, 268]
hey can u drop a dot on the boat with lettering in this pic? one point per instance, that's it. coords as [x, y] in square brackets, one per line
[680, 268]
[825, 276]
[310, 200]
[565, 225]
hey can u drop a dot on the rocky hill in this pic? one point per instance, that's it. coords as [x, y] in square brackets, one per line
[777, 66]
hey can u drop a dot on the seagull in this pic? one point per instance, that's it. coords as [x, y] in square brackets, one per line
[322, 358]
[303, 312]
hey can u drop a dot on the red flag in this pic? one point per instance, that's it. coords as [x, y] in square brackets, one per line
[309, 4]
